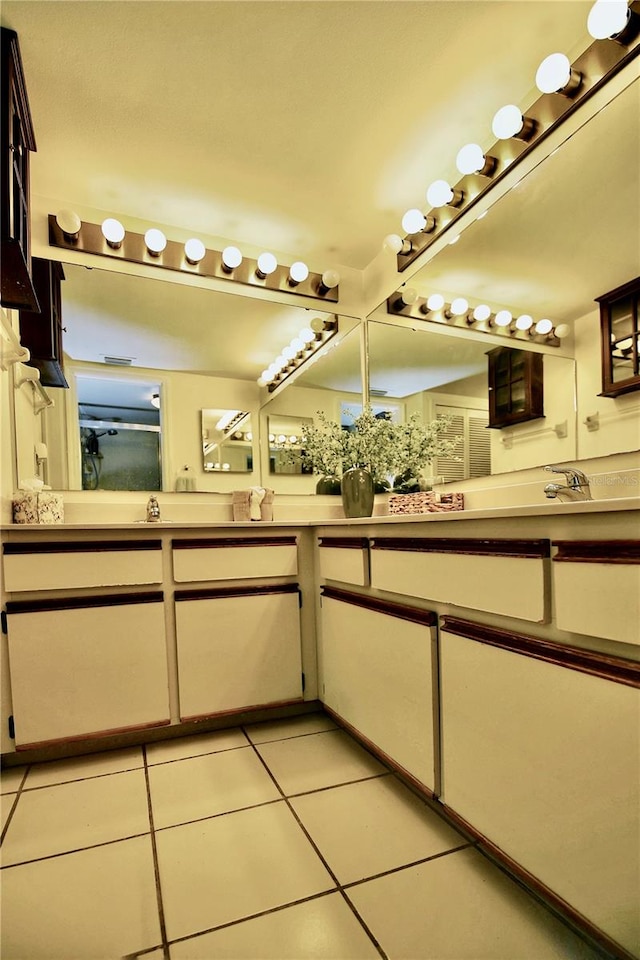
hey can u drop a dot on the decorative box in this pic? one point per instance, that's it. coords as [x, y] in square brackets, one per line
[425, 502]
[43, 507]
[241, 504]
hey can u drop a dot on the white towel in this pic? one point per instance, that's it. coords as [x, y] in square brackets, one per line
[256, 496]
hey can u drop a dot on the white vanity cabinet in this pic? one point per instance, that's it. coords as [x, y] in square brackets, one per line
[541, 756]
[83, 666]
[378, 666]
[345, 559]
[234, 558]
[238, 648]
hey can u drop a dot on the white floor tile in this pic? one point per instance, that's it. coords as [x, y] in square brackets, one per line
[11, 778]
[70, 816]
[95, 904]
[320, 760]
[208, 785]
[283, 729]
[460, 907]
[373, 826]
[182, 747]
[80, 768]
[233, 866]
[6, 802]
[319, 929]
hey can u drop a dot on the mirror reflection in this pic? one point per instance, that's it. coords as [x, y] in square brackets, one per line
[227, 441]
[285, 444]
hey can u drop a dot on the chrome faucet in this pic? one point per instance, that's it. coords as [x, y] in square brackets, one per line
[576, 487]
[153, 510]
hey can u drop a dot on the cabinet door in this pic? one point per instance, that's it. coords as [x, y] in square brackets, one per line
[541, 754]
[237, 648]
[87, 666]
[376, 674]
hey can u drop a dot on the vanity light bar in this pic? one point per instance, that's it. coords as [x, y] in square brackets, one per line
[458, 313]
[299, 351]
[153, 249]
[516, 135]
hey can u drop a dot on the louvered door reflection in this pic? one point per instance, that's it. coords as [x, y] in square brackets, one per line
[473, 450]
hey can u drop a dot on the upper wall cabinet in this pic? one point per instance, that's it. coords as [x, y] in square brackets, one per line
[620, 339]
[515, 387]
[41, 332]
[17, 140]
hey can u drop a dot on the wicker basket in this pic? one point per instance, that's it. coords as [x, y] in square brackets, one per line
[428, 502]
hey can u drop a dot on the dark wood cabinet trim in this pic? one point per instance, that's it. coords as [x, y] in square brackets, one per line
[77, 603]
[79, 546]
[530, 549]
[426, 618]
[238, 711]
[216, 593]
[89, 737]
[219, 542]
[597, 664]
[344, 543]
[597, 551]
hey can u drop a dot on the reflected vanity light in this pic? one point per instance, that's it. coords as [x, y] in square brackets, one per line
[394, 243]
[329, 281]
[509, 123]
[194, 250]
[267, 264]
[562, 330]
[113, 232]
[458, 313]
[471, 159]
[155, 401]
[155, 241]
[608, 19]
[298, 273]
[440, 194]
[555, 75]
[230, 259]
[70, 224]
[299, 350]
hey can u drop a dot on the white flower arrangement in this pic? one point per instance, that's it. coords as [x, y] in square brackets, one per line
[375, 443]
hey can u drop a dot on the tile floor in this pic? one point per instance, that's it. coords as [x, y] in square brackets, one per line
[284, 840]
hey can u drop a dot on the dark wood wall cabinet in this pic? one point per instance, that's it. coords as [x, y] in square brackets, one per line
[41, 332]
[17, 141]
[620, 339]
[515, 387]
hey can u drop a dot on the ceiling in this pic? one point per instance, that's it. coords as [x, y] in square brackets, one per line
[308, 127]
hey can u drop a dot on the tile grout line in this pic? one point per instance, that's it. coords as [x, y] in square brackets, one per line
[339, 887]
[14, 805]
[156, 865]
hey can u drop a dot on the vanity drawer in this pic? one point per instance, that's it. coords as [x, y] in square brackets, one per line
[68, 564]
[597, 588]
[496, 576]
[234, 558]
[345, 559]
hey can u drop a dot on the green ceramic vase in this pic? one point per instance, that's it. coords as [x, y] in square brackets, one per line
[357, 493]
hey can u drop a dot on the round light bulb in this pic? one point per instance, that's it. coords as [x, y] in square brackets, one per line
[267, 264]
[282, 438]
[69, 222]
[155, 241]
[553, 73]
[297, 344]
[330, 279]
[112, 231]
[439, 194]
[408, 296]
[503, 318]
[507, 122]
[317, 325]
[194, 250]
[482, 312]
[298, 272]
[524, 322]
[607, 18]
[292, 438]
[470, 159]
[393, 243]
[544, 326]
[459, 306]
[435, 301]
[226, 466]
[307, 335]
[414, 221]
[562, 330]
[262, 381]
[288, 353]
[231, 258]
